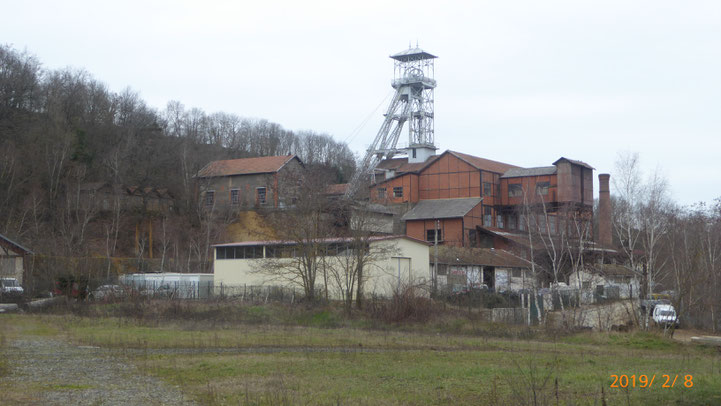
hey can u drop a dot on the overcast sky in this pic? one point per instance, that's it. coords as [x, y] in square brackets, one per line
[522, 82]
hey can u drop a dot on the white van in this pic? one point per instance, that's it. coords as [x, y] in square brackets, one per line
[665, 315]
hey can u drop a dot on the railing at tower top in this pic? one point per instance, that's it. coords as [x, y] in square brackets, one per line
[426, 81]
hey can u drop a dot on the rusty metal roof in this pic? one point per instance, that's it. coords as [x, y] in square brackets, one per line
[245, 166]
[483, 164]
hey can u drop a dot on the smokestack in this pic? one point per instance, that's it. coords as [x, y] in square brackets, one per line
[604, 210]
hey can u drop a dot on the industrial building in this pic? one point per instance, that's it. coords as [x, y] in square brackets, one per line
[400, 262]
[246, 182]
[451, 199]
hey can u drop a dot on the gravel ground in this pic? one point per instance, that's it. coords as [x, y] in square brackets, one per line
[58, 373]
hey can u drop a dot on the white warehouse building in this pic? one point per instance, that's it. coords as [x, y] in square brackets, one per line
[393, 261]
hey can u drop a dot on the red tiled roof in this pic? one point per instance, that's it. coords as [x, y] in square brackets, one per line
[245, 166]
[484, 164]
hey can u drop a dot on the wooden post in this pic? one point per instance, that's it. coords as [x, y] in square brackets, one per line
[137, 239]
[150, 236]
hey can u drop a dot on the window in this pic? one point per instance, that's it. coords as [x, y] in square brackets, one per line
[472, 238]
[381, 193]
[499, 221]
[234, 196]
[515, 190]
[487, 216]
[209, 197]
[431, 235]
[522, 222]
[542, 188]
[255, 251]
[512, 221]
[516, 273]
[260, 195]
[414, 152]
[398, 191]
[487, 189]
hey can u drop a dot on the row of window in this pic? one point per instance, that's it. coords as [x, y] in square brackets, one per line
[397, 192]
[514, 190]
[260, 196]
[279, 251]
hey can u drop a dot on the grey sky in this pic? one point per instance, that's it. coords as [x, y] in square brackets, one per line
[522, 82]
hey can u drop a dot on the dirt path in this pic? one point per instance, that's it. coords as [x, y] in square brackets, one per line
[53, 372]
[685, 335]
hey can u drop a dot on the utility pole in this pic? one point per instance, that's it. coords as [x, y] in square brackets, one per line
[435, 259]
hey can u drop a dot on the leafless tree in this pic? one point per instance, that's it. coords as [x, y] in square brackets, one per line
[305, 224]
[352, 267]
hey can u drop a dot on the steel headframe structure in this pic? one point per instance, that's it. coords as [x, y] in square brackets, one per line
[413, 80]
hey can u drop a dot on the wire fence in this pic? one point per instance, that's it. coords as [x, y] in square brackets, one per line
[200, 290]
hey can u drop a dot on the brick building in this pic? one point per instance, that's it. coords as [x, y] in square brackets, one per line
[469, 201]
[246, 182]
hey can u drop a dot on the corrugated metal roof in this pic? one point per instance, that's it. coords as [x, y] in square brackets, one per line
[520, 172]
[322, 240]
[484, 164]
[245, 166]
[442, 208]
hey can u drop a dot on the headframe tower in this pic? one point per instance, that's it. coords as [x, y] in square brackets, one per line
[412, 104]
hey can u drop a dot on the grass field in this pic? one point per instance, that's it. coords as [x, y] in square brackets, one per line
[281, 364]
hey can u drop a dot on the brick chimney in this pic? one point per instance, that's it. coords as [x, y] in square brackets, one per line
[604, 210]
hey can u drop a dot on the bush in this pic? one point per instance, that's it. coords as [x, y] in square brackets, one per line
[405, 305]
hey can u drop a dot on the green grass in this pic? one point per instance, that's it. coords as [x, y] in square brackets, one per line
[315, 362]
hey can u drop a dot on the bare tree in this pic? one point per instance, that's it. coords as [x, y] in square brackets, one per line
[305, 225]
[352, 267]
[629, 190]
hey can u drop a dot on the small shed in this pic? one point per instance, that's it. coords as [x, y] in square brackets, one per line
[12, 259]
[473, 267]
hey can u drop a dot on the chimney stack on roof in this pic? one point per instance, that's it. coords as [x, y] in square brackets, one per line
[604, 210]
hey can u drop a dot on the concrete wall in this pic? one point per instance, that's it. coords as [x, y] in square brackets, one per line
[628, 287]
[454, 276]
[410, 257]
